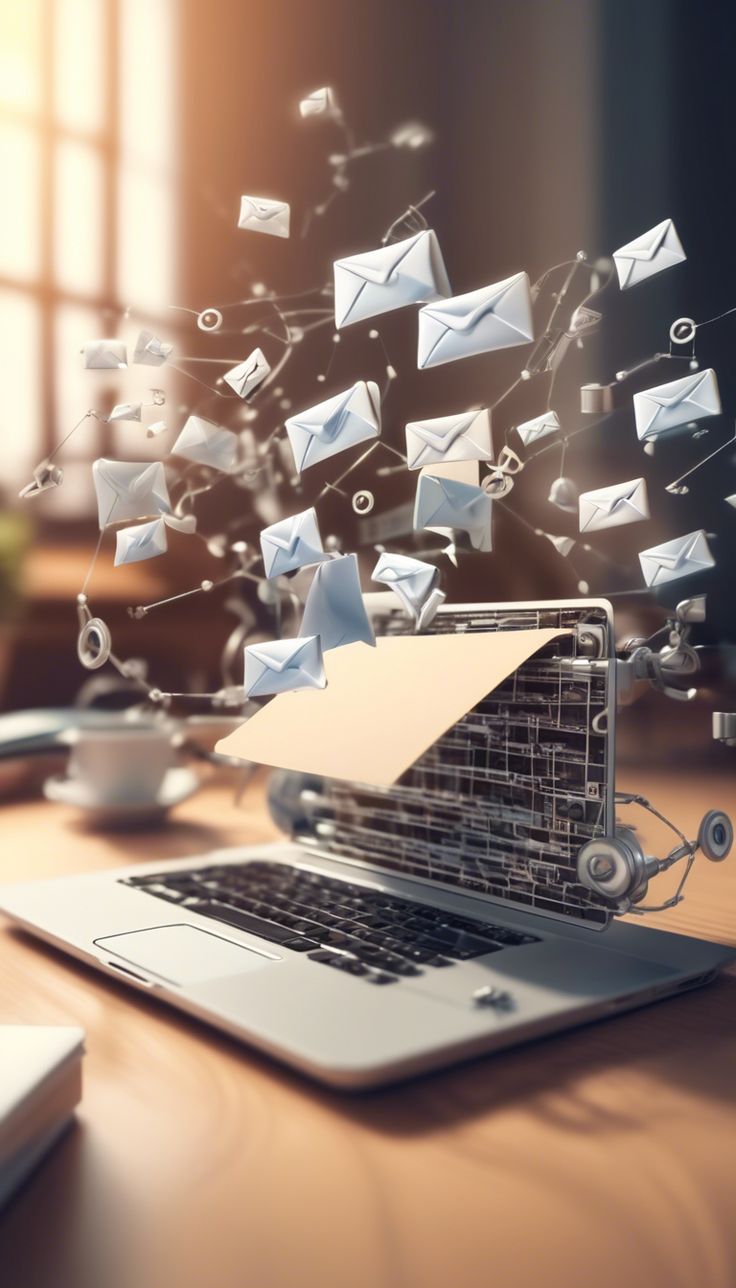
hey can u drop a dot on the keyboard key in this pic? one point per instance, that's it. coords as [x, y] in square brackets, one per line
[301, 945]
[244, 921]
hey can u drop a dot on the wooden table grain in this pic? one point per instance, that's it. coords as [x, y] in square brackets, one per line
[602, 1157]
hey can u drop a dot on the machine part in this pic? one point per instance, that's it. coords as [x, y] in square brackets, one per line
[363, 502]
[209, 320]
[682, 331]
[724, 727]
[94, 643]
[715, 835]
[596, 400]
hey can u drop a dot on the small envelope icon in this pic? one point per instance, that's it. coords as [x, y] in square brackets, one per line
[679, 558]
[354, 416]
[150, 351]
[205, 443]
[105, 355]
[668, 406]
[335, 609]
[464, 437]
[125, 411]
[292, 543]
[447, 503]
[532, 430]
[283, 665]
[321, 102]
[129, 490]
[651, 253]
[144, 541]
[247, 376]
[415, 583]
[260, 215]
[406, 272]
[609, 507]
[494, 317]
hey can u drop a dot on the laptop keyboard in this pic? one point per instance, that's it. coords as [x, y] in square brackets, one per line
[377, 937]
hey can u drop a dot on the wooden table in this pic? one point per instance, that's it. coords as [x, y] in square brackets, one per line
[601, 1158]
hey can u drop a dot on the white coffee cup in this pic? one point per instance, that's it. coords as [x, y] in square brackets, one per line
[122, 764]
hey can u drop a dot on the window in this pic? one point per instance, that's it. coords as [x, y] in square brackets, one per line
[87, 221]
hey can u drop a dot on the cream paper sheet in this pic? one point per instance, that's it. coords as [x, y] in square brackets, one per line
[383, 706]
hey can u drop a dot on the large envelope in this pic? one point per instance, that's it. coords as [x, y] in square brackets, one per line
[283, 665]
[335, 610]
[292, 543]
[384, 706]
[247, 376]
[445, 503]
[495, 317]
[150, 351]
[414, 582]
[105, 355]
[144, 541]
[129, 490]
[321, 102]
[532, 430]
[205, 443]
[463, 437]
[261, 215]
[679, 558]
[353, 416]
[407, 272]
[677, 403]
[609, 507]
[651, 253]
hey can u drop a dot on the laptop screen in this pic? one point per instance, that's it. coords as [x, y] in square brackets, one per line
[501, 804]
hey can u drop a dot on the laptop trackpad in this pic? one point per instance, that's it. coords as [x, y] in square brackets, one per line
[184, 954]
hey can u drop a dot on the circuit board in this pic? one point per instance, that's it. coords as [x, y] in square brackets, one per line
[501, 803]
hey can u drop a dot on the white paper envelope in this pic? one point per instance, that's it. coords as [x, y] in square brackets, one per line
[283, 665]
[129, 490]
[292, 543]
[321, 102]
[651, 253]
[335, 609]
[105, 355]
[377, 281]
[125, 411]
[679, 558]
[463, 437]
[532, 430]
[144, 541]
[261, 215]
[445, 503]
[609, 507]
[415, 583]
[495, 317]
[353, 416]
[248, 375]
[205, 443]
[150, 351]
[677, 403]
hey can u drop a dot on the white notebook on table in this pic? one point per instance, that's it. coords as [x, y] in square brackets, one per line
[40, 1087]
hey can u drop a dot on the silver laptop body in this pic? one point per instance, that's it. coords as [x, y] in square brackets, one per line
[408, 928]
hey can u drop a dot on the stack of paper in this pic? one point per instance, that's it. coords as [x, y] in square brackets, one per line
[40, 1087]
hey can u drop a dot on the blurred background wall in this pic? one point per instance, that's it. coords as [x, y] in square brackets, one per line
[128, 131]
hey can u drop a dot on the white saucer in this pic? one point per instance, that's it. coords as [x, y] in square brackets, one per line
[178, 784]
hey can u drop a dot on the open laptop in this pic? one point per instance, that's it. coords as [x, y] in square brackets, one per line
[402, 929]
